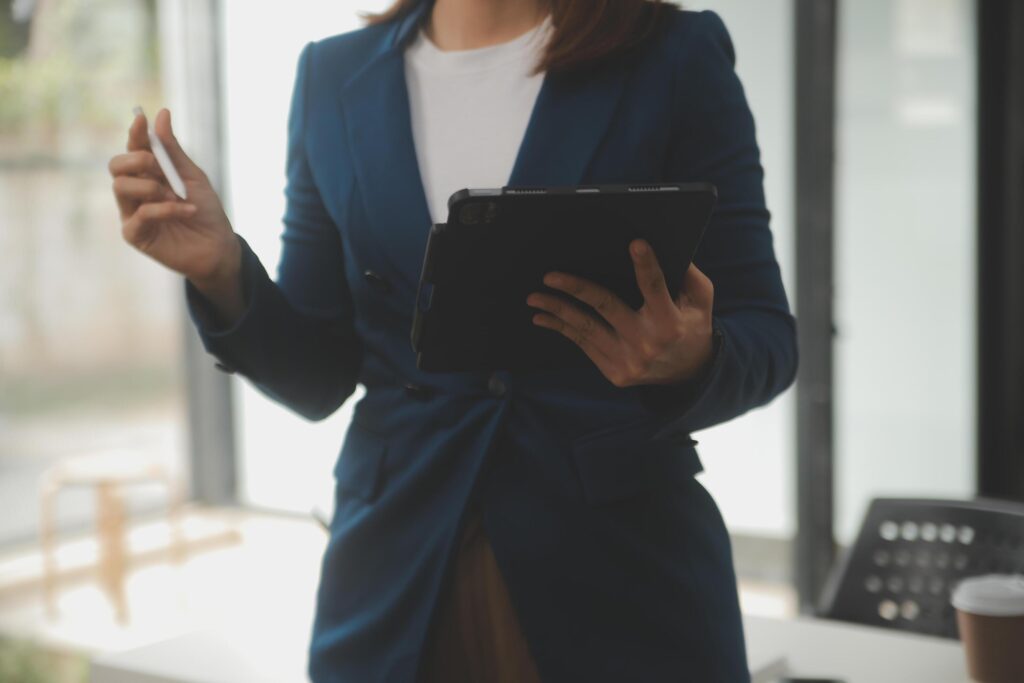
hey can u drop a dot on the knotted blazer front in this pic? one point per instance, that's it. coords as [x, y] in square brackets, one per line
[616, 559]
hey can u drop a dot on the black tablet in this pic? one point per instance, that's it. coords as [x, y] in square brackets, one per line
[479, 267]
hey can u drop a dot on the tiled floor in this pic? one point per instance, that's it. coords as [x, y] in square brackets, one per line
[244, 568]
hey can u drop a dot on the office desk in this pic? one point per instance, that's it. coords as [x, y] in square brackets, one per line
[811, 647]
[854, 654]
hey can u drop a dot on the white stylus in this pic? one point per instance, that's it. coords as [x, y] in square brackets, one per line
[163, 158]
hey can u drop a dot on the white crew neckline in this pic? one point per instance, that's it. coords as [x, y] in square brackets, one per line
[426, 55]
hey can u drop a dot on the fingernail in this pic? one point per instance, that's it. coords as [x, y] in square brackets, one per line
[552, 280]
[190, 208]
[640, 248]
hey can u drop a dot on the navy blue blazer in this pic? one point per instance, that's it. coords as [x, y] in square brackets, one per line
[616, 559]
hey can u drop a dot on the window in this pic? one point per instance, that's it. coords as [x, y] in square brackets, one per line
[905, 253]
[90, 331]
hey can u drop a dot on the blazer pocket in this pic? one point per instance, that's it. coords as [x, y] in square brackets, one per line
[625, 461]
[359, 470]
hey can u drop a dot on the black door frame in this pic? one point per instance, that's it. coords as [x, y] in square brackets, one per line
[1000, 259]
[815, 116]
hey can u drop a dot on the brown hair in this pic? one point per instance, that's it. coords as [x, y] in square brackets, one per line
[585, 31]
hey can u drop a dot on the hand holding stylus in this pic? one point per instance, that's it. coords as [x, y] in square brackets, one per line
[668, 340]
[193, 237]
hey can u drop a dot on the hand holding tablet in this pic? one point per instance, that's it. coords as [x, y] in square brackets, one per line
[668, 340]
[483, 283]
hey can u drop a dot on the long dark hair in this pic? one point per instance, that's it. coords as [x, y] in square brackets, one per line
[585, 31]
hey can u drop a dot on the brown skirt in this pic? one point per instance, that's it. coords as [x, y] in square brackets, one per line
[476, 636]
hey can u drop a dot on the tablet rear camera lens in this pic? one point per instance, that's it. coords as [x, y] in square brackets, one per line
[475, 213]
[490, 212]
[470, 214]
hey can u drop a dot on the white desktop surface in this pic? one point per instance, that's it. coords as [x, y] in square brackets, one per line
[811, 647]
[853, 653]
[253, 653]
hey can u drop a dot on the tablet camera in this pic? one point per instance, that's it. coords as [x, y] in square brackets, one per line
[490, 212]
[475, 213]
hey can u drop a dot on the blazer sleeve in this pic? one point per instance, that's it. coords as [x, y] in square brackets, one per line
[295, 340]
[755, 352]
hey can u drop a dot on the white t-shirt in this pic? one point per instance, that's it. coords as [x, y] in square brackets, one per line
[470, 109]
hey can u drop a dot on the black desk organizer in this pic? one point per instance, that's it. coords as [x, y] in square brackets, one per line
[910, 554]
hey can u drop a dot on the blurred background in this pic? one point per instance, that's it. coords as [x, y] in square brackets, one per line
[144, 494]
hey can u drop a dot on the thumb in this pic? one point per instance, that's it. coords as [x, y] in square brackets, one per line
[697, 288]
[162, 126]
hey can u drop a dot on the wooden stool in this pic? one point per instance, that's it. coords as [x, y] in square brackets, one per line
[107, 473]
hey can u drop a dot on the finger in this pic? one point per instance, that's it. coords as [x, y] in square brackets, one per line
[141, 224]
[587, 326]
[610, 307]
[138, 163]
[138, 138]
[162, 126]
[649, 277]
[599, 358]
[698, 288]
[131, 191]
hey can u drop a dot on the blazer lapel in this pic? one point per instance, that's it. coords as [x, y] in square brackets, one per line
[375, 107]
[569, 119]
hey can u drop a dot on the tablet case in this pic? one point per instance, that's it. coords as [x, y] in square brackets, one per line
[479, 267]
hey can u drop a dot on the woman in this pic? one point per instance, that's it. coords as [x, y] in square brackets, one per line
[512, 526]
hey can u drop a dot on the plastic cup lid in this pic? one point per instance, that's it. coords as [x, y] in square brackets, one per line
[992, 595]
